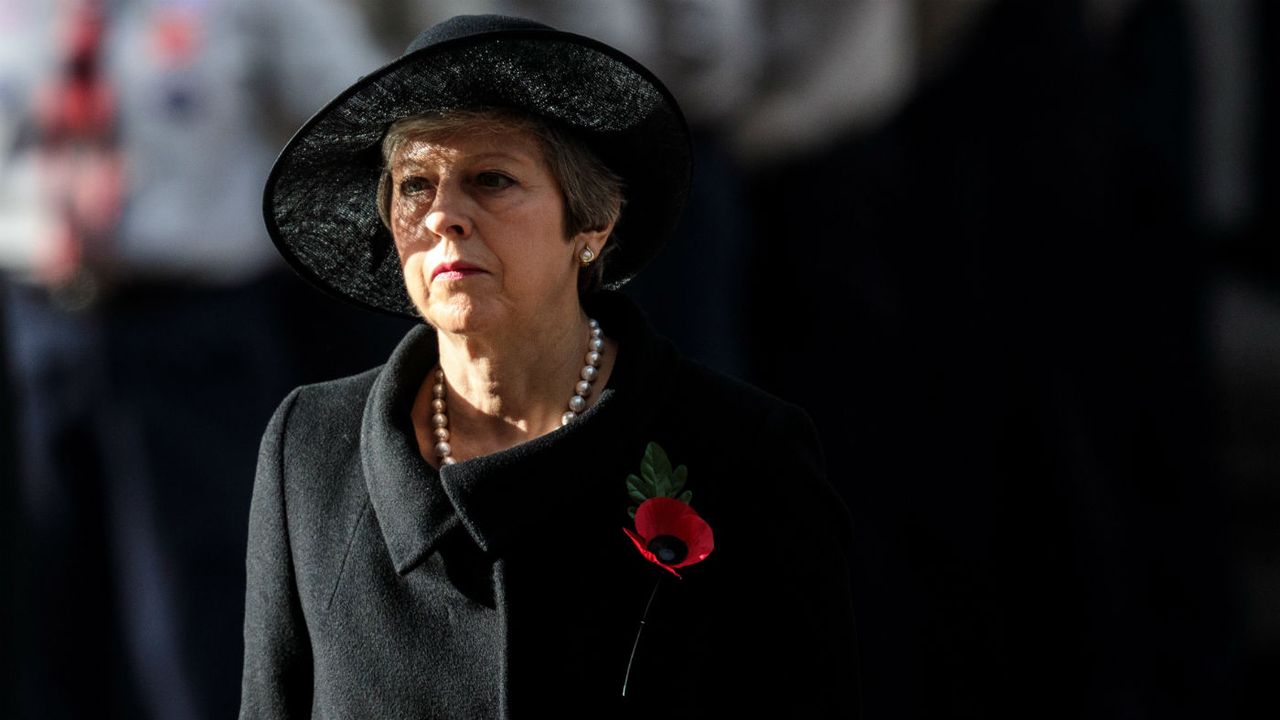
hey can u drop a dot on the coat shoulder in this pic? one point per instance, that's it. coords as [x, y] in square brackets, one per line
[727, 401]
[318, 444]
[324, 418]
[334, 402]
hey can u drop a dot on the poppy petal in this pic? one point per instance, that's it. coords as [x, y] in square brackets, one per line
[658, 516]
[697, 536]
[651, 514]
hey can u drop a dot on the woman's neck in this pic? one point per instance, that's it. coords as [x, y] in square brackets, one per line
[501, 392]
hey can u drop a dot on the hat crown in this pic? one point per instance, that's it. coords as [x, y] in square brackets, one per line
[462, 26]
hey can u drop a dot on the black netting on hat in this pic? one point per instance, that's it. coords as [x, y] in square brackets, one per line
[321, 197]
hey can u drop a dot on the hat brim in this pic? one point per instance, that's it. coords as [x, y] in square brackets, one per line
[320, 198]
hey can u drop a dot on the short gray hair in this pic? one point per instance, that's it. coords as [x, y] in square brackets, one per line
[593, 194]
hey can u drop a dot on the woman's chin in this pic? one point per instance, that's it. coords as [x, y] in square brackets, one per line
[459, 318]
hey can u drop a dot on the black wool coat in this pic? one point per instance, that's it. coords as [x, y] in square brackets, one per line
[504, 586]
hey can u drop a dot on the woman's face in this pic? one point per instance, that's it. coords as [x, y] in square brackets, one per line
[478, 222]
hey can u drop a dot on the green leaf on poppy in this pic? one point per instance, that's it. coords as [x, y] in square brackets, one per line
[661, 462]
[686, 497]
[682, 474]
[657, 478]
[634, 491]
[632, 511]
[655, 466]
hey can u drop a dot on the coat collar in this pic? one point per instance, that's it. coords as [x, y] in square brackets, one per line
[502, 497]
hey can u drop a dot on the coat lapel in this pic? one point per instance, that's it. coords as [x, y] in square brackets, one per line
[408, 499]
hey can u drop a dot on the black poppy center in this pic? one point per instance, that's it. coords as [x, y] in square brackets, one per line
[669, 549]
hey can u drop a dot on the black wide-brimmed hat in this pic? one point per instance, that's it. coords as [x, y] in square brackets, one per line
[320, 201]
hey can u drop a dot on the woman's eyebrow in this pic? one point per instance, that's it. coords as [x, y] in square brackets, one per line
[419, 160]
[500, 155]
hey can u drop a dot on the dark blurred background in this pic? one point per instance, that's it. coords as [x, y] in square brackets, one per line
[1017, 259]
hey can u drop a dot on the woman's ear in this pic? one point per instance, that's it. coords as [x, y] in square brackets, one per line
[593, 240]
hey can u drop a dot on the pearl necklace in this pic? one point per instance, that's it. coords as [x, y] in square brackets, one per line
[577, 403]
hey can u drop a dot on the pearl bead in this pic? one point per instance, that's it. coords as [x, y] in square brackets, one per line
[593, 323]
[441, 433]
[438, 405]
[597, 332]
[446, 460]
[596, 344]
[589, 373]
[583, 388]
[577, 403]
[437, 391]
[593, 358]
[568, 417]
[443, 449]
[439, 420]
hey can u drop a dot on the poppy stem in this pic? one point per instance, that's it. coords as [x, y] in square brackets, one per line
[627, 678]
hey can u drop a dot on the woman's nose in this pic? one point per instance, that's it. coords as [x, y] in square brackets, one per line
[450, 213]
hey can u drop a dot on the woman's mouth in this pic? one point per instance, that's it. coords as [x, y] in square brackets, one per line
[454, 271]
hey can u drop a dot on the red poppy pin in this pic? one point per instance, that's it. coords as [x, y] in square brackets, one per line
[668, 532]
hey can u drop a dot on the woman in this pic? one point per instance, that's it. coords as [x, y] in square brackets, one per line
[452, 534]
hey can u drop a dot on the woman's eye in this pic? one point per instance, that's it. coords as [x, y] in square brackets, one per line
[493, 180]
[413, 185]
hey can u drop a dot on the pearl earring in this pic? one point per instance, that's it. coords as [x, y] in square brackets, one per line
[587, 256]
